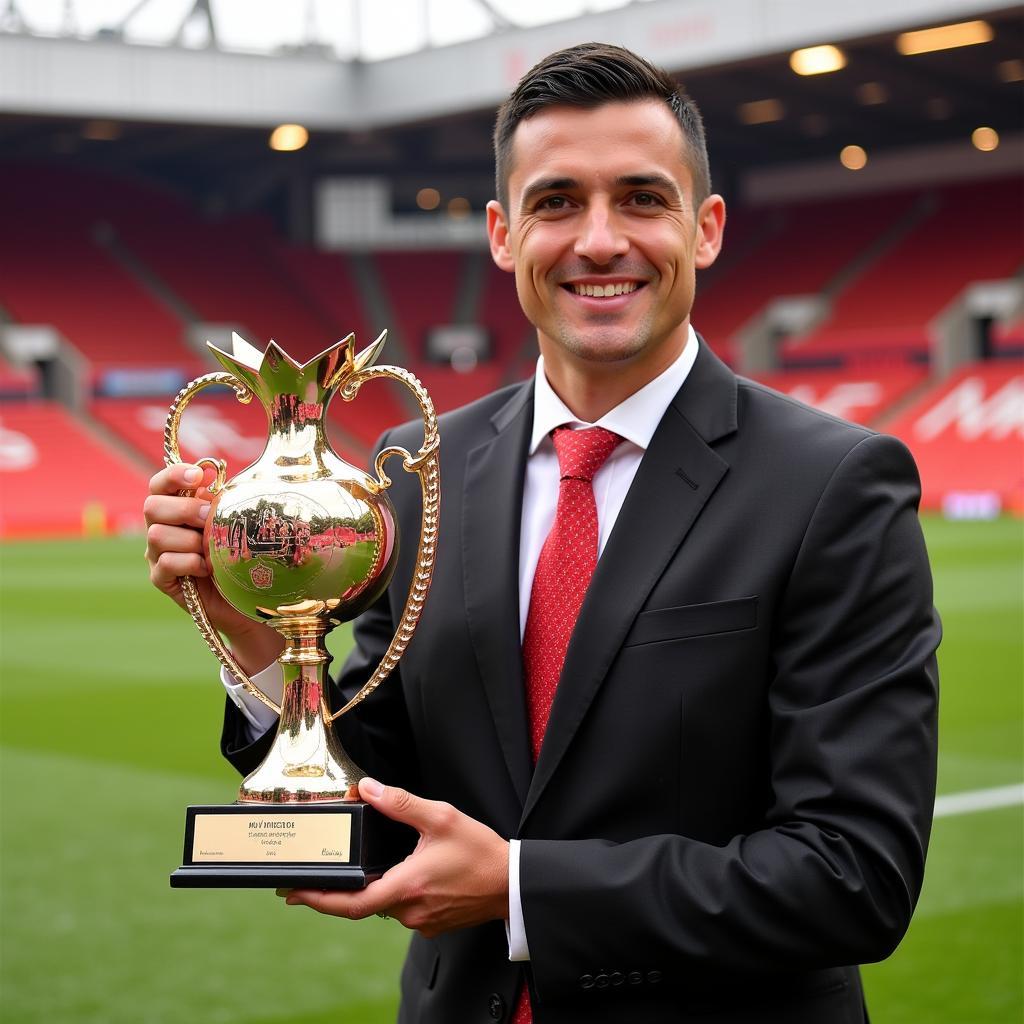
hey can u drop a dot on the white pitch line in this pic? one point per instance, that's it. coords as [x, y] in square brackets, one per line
[978, 800]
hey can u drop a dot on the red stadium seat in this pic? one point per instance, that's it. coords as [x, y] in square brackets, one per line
[861, 395]
[967, 434]
[214, 426]
[58, 478]
[973, 234]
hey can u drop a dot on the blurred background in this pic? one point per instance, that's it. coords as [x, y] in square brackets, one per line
[175, 170]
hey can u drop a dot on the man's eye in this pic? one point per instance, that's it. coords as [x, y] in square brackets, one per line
[553, 203]
[645, 199]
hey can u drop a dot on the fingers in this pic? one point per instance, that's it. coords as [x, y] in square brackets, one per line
[426, 816]
[180, 477]
[164, 572]
[376, 898]
[175, 511]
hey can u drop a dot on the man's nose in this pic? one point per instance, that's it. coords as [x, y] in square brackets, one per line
[602, 237]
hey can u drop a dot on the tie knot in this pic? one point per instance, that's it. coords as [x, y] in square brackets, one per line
[581, 453]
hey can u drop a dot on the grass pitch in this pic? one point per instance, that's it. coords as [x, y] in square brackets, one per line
[109, 720]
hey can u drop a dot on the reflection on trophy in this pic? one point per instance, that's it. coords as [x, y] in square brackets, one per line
[302, 541]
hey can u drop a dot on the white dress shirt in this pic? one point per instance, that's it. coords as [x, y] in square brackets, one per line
[634, 420]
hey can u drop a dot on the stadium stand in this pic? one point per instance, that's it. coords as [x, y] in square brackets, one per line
[966, 435]
[58, 478]
[1007, 339]
[324, 281]
[861, 395]
[54, 270]
[797, 250]
[223, 271]
[971, 234]
[502, 316]
[17, 381]
[134, 261]
[421, 289]
[214, 426]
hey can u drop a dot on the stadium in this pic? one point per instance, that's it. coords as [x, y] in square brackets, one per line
[172, 171]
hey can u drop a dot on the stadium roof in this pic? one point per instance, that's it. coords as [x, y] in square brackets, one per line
[401, 121]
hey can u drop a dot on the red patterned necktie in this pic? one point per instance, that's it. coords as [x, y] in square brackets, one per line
[563, 574]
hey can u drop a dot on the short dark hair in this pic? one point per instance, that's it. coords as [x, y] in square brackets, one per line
[590, 75]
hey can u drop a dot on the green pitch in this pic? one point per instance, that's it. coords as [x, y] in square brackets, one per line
[110, 718]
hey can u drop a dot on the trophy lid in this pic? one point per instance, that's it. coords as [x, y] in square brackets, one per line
[273, 372]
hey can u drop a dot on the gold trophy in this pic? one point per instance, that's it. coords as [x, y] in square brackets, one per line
[302, 541]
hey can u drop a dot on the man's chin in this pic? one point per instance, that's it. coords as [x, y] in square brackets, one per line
[609, 348]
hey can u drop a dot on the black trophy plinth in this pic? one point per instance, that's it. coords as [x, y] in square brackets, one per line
[293, 846]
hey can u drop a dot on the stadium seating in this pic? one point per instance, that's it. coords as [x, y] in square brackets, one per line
[120, 267]
[1008, 338]
[502, 316]
[789, 251]
[972, 234]
[213, 426]
[57, 477]
[860, 395]
[54, 271]
[421, 288]
[223, 272]
[966, 434]
[17, 381]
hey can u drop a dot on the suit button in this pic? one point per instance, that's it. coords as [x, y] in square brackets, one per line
[617, 977]
[496, 1006]
[654, 977]
[636, 978]
[586, 981]
[601, 981]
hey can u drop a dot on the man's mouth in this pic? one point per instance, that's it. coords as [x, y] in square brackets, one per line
[601, 291]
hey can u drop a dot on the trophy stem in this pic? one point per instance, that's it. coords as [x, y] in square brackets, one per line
[306, 762]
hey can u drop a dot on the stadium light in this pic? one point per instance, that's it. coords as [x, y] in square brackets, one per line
[817, 60]
[458, 207]
[871, 94]
[760, 111]
[1011, 70]
[853, 158]
[428, 199]
[101, 131]
[985, 139]
[286, 138]
[944, 37]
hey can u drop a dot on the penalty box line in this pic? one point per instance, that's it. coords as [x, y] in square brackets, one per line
[978, 800]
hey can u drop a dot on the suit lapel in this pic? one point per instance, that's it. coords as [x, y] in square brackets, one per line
[677, 475]
[491, 515]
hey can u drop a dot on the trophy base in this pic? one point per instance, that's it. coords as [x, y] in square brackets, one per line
[293, 846]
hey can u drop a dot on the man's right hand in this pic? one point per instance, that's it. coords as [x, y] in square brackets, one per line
[174, 548]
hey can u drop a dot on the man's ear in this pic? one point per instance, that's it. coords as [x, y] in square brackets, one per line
[497, 233]
[710, 230]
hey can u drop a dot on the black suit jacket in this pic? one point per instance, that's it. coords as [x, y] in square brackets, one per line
[734, 794]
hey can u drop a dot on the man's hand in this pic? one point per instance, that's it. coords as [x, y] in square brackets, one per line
[456, 877]
[174, 547]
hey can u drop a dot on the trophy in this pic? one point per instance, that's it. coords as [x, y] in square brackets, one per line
[302, 541]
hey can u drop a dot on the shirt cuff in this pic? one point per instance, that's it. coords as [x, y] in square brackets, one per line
[258, 716]
[515, 926]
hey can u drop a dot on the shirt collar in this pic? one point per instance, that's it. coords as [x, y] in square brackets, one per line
[634, 419]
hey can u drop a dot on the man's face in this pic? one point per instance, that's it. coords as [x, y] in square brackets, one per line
[602, 235]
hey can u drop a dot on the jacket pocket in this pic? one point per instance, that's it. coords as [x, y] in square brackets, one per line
[658, 625]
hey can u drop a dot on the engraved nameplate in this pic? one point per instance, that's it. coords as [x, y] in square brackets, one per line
[269, 838]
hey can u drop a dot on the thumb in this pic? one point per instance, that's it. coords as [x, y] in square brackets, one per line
[399, 804]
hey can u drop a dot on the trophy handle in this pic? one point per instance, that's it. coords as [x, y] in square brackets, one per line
[426, 464]
[189, 590]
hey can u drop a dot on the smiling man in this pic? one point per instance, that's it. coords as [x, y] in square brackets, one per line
[667, 728]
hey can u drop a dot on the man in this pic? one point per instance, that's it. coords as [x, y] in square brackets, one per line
[692, 778]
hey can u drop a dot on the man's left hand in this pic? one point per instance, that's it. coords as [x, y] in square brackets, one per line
[456, 877]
